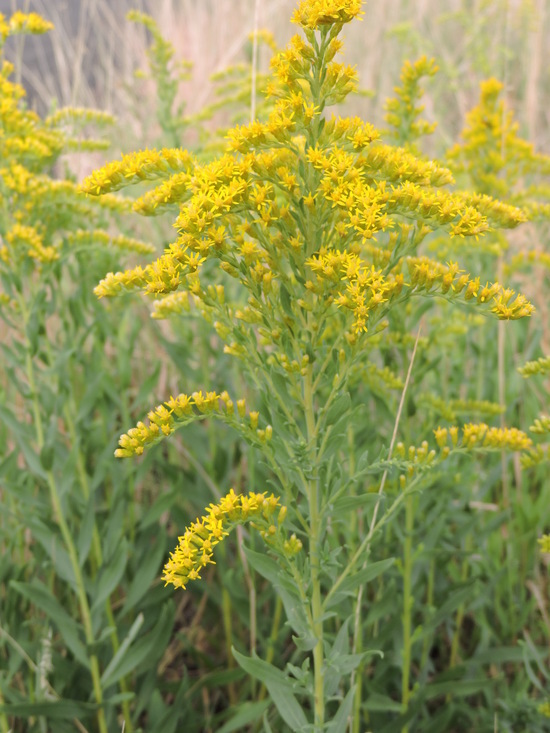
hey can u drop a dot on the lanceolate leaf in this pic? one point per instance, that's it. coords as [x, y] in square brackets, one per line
[279, 687]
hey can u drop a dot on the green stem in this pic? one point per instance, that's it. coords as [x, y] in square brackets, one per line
[4, 725]
[455, 644]
[226, 617]
[428, 605]
[407, 606]
[312, 488]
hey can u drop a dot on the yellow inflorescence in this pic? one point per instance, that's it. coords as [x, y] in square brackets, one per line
[544, 543]
[20, 23]
[315, 13]
[539, 366]
[403, 111]
[181, 410]
[173, 304]
[145, 165]
[27, 241]
[98, 236]
[482, 436]
[541, 425]
[493, 154]
[430, 275]
[164, 419]
[196, 545]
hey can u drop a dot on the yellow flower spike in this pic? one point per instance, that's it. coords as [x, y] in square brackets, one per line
[482, 436]
[169, 416]
[544, 543]
[134, 167]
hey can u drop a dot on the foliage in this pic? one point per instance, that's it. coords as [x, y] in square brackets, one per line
[344, 417]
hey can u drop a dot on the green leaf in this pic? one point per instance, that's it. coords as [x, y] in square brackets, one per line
[339, 724]
[58, 710]
[455, 599]
[111, 574]
[279, 687]
[54, 548]
[373, 570]
[146, 573]
[456, 688]
[339, 407]
[382, 703]
[148, 648]
[38, 594]
[84, 541]
[110, 672]
[24, 438]
[264, 565]
[247, 713]
[285, 300]
[347, 504]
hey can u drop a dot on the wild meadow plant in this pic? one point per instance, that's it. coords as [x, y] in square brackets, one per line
[303, 246]
[67, 516]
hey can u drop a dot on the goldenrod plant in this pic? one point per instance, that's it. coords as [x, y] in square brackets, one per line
[303, 247]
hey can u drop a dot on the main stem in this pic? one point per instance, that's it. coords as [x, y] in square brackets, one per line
[312, 488]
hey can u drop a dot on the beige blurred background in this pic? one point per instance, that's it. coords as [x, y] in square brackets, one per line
[91, 57]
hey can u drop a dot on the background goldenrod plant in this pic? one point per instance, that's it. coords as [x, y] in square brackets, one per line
[332, 354]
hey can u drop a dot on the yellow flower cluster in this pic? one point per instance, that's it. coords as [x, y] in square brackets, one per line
[313, 14]
[27, 241]
[374, 375]
[173, 304]
[312, 214]
[20, 23]
[535, 456]
[164, 420]
[83, 237]
[418, 458]
[482, 436]
[541, 425]
[144, 165]
[527, 258]
[450, 409]
[544, 543]
[430, 275]
[366, 288]
[491, 147]
[196, 545]
[403, 112]
[538, 366]
[177, 267]
[79, 115]
[181, 410]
